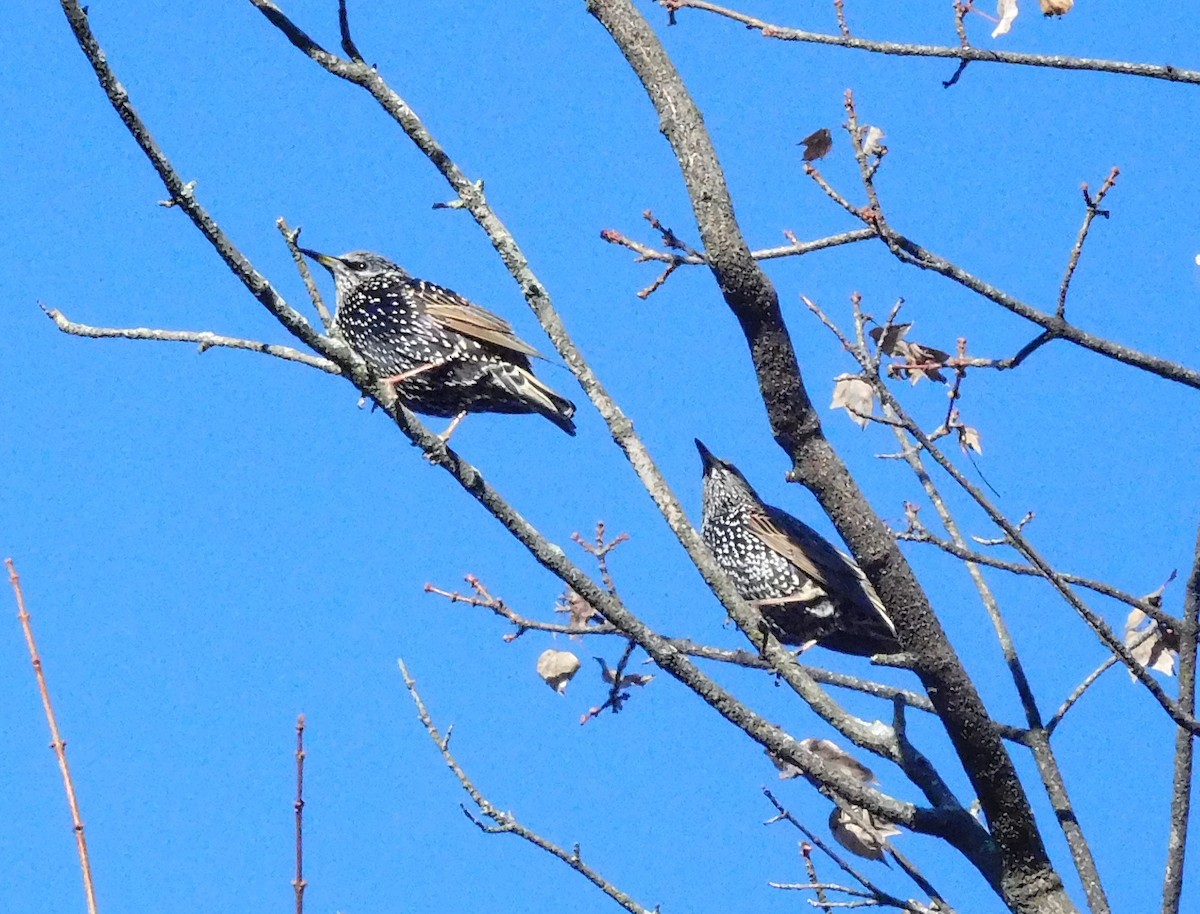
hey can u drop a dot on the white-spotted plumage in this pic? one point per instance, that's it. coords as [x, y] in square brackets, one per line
[456, 356]
[805, 589]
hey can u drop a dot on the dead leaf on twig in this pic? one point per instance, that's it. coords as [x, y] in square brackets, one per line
[1056, 7]
[1007, 11]
[969, 439]
[557, 668]
[921, 361]
[856, 396]
[1160, 648]
[817, 144]
[871, 140]
[580, 610]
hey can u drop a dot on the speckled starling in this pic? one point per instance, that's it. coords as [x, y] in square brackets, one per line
[445, 355]
[807, 591]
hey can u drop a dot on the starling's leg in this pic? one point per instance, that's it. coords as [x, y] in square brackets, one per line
[445, 436]
[397, 379]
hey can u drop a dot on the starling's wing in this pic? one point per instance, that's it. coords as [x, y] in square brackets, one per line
[458, 314]
[833, 571]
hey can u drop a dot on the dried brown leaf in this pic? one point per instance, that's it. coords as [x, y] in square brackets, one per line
[1056, 7]
[1160, 648]
[1007, 11]
[817, 144]
[580, 610]
[855, 395]
[890, 337]
[557, 668]
[969, 439]
[870, 138]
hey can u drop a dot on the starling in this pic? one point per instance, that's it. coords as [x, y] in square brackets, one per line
[445, 355]
[807, 591]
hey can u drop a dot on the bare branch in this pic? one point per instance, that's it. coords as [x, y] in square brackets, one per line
[299, 884]
[203, 338]
[1093, 210]
[57, 743]
[1026, 876]
[506, 823]
[795, 247]
[1185, 743]
[964, 53]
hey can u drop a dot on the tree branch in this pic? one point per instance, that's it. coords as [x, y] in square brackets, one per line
[57, 743]
[1185, 742]
[204, 338]
[1026, 877]
[963, 53]
[506, 823]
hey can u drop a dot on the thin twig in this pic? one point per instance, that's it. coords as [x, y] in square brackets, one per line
[922, 535]
[811, 866]
[737, 657]
[290, 237]
[1093, 210]
[57, 743]
[299, 884]
[203, 338]
[795, 247]
[506, 823]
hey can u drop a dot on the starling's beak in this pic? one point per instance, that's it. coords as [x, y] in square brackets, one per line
[706, 456]
[324, 260]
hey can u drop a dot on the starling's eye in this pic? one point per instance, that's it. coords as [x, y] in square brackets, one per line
[357, 264]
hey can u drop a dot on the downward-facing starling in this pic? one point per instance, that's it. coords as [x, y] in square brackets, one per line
[806, 590]
[445, 355]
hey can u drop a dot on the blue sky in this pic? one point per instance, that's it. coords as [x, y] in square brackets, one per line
[211, 544]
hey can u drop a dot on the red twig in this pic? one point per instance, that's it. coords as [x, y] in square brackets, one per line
[57, 743]
[299, 884]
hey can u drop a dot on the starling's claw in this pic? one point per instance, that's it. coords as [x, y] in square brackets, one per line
[445, 436]
[397, 379]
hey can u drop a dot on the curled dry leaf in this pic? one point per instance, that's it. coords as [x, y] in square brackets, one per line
[580, 610]
[921, 361]
[1057, 7]
[817, 144]
[859, 832]
[871, 140]
[855, 395]
[557, 668]
[1154, 646]
[1007, 11]
[969, 439]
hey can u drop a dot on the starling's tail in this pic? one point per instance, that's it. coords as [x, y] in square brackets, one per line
[542, 399]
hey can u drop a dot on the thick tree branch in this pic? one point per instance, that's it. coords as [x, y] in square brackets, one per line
[1185, 743]
[1027, 878]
